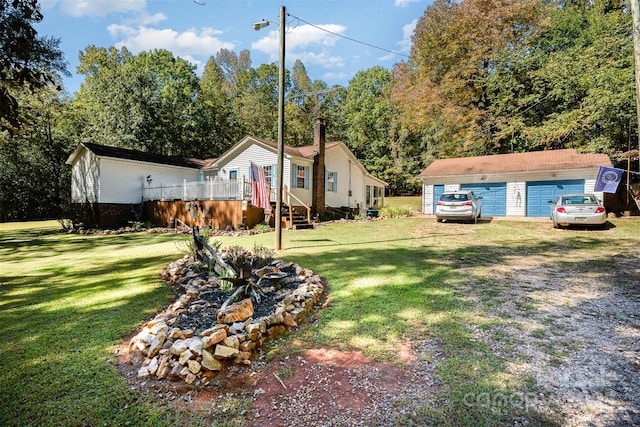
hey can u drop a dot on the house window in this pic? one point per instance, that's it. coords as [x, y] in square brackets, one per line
[233, 175]
[332, 182]
[301, 177]
[268, 174]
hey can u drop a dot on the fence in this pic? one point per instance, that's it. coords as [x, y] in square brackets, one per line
[213, 189]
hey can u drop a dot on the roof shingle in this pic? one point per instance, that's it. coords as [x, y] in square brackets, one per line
[517, 162]
[140, 156]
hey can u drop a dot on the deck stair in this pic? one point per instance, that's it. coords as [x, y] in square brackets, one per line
[295, 220]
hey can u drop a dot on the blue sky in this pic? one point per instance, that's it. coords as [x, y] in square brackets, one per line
[196, 32]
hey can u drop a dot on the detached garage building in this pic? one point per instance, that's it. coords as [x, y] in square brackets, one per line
[518, 184]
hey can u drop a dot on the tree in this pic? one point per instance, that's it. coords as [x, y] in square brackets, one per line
[34, 180]
[146, 102]
[303, 105]
[232, 66]
[215, 109]
[456, 46]
[369, 115]
[255, 103]
[26, 60]
[573, 86]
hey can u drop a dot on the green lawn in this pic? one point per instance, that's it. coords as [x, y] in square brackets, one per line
[66, 302]
[413, 203]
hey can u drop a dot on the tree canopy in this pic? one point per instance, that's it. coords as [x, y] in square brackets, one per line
[501, 76]
[26, 60]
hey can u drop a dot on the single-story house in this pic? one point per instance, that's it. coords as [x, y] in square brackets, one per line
[318, 175]
[519, 184]
[115, 183]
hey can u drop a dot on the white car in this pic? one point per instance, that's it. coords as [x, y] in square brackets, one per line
[577, 209]
[459, 205]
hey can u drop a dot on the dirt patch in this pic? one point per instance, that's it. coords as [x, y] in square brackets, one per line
[319, 386]
[331, 387]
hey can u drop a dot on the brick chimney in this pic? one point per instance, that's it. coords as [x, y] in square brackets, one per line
[319, 140]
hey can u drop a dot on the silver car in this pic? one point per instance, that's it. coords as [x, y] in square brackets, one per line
[577, 209]
[459, 205]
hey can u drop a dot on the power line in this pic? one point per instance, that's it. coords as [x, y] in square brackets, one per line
[349, 38]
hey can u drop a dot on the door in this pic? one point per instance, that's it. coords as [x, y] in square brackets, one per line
[437, 192]
[540, 192]
[494, 197]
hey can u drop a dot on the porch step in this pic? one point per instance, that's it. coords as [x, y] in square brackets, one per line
[299, 220]
[304, 226]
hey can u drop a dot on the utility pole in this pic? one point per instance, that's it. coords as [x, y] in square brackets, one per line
[635, 19]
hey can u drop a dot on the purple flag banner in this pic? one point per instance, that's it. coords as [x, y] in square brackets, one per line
[608, 179]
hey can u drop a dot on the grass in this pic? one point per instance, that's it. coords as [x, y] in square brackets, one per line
[413, 203]
[66, 302]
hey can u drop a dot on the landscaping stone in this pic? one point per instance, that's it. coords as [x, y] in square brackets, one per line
[165, 349]
[224, 352]
[213, 339]
[235, 312]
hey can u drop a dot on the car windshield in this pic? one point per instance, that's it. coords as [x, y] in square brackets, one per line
[454, 197]
[579, 200]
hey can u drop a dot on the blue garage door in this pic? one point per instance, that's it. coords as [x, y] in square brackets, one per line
[540, 192]
[494, 197]
[437, 192]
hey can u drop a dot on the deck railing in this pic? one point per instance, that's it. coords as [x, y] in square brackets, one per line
[214, 189]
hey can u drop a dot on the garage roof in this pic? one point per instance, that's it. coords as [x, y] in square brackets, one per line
[518, 162]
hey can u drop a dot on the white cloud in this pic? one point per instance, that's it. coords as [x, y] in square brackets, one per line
[332, 75]
[146, 19]
[100, 7]
[322, 59]
[306, 43]
[48, 4]
[186, 44]
[307, 35]
[404, 44]
[407, 33]
[403, 3]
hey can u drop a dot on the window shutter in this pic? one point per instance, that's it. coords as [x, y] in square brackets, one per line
[326, 179]
[335, 182]
[274, 175]
[293, 176]
[306, 177]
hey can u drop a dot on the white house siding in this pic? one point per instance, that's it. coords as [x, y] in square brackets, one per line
[358, 197]
[350, 178]
[427, 198]
[121, 181]
[516, 185]
[85, 178]
[260, 156]
[589, 185]
[242, 162]
[337, 159]
[303, 194]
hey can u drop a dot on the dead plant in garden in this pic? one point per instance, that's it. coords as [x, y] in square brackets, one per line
[234, 266]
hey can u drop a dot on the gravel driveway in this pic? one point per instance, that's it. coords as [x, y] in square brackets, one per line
[570, 320]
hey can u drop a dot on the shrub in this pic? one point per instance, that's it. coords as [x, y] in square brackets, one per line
[394, 212]
[262, 227]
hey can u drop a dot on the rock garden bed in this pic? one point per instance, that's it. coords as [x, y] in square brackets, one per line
[202, 333]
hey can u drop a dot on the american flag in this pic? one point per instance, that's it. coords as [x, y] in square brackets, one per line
[259, 188]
